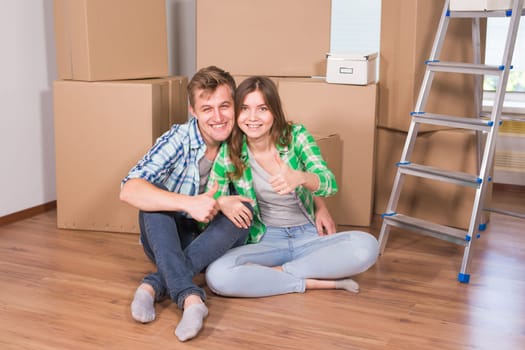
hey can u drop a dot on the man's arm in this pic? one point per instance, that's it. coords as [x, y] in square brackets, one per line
[145, 196]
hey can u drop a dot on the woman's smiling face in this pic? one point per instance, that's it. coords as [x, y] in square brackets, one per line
[255, 118]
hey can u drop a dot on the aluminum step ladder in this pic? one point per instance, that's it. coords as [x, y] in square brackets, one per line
[486, 128]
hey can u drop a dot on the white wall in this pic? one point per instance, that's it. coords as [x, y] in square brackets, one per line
[27, 170]
[181, 36]
[27, 173]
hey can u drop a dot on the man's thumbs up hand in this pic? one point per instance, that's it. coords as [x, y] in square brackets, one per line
[204, 207]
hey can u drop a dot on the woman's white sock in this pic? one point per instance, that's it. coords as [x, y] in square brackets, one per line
[347, 284]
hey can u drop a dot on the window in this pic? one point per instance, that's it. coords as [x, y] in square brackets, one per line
[496, 34]
[515, 95]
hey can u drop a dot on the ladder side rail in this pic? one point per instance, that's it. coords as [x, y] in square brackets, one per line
[478, 79]
[441, 30]
[512, 34]
[383, 237]
[397, 186]
[434, 56]
[490, 144]
[478, 96]
[478, 87]
[414, 126]
[390, 209]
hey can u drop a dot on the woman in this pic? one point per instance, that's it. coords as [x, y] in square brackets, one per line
[278, 167]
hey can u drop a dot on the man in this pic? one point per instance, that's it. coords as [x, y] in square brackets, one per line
[167, 185]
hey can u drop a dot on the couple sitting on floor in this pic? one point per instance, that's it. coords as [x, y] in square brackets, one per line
[237, 191]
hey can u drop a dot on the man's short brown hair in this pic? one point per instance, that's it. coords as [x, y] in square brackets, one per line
[209, 79]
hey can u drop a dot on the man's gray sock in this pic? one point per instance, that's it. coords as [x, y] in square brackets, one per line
[347, 284]
[143, 306]
[191, 322]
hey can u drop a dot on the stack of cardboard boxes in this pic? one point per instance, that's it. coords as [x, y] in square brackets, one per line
[112, 100]
[111, 105]
[288, 40]
[407, 35]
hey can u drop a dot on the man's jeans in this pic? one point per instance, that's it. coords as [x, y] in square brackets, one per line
[173, 243]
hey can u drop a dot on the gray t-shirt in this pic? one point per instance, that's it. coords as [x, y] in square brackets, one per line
[204, 172]
[276, 210]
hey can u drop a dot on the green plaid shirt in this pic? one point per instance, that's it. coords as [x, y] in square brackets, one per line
[302, 154]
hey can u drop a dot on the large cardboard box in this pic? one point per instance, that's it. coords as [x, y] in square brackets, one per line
[331, 150]
[349, 111]
[101, 130]
[264, 37]
[110, 39]
[407, 35]
[436, 201]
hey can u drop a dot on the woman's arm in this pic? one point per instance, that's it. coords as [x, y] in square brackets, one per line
[323, 220]
[232, 206]
[310, 154]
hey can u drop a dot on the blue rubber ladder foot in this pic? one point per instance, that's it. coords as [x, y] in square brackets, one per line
[463, 277]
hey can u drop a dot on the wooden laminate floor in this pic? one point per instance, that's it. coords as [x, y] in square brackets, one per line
[62, 289]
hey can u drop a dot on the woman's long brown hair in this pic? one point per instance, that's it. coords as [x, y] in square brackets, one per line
[280, 132]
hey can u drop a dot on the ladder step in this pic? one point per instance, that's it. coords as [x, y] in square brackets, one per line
[505, 117]
[428, 228]
[454, 122]
[433, 173]
[506, 212]
[482, 14]
[465, 68]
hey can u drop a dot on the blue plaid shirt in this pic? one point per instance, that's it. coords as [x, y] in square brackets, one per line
[174, 160]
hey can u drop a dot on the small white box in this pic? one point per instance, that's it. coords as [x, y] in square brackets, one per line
[480, 5]
[354, 69]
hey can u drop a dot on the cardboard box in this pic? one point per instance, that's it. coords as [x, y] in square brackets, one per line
[480, 5]
[407, 35]
[263, 37]
[176, 95]
[110, 39]
[436, 201]
[101, 130]
[349, 111]
[356, 69]
[331, 150]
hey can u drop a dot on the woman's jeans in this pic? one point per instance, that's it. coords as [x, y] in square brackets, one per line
[172, 241]
[246, 271]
